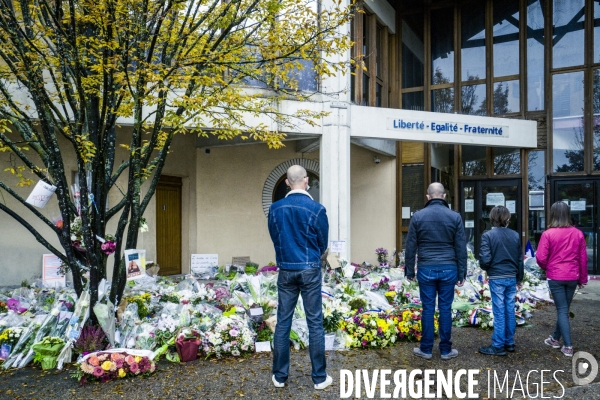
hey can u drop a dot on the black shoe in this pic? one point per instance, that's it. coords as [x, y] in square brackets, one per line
[492, 351]
[509, 347]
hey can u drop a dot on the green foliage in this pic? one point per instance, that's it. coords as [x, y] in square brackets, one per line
[357, 303]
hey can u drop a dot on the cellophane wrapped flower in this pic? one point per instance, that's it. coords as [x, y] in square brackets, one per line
[230, 335]
[370, 330]
[409, 324]
[106, 366]
[382, 256]
[46, 351]
[143, 304]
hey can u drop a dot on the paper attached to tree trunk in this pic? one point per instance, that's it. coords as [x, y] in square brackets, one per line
[41, 194]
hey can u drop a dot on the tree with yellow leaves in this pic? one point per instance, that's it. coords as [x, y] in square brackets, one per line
[73, 71]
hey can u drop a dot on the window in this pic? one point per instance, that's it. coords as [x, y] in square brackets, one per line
[372, 76]
[567, 34]
[535, 56]
[567, 122]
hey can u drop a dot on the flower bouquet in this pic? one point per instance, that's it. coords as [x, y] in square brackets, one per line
[230, 335]
[76, 323]
[382, 257]
[106, 366]
[409, 324]
[8, 339]
[370, 330]
[187, 344]
[46, 351]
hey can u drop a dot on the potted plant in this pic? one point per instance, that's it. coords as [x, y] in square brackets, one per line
[187, 344]
[331, 324]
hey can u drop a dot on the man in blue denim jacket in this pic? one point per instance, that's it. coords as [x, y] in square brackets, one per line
[299, 229]
[436, 233]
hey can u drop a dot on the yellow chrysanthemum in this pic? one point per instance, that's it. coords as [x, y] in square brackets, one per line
[122, 373]
[106, 365]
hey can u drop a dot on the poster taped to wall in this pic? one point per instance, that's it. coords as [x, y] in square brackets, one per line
[135, 263]
[51, 272]
[511, 205]
[469, 205]
[494, 199]
[577, 205]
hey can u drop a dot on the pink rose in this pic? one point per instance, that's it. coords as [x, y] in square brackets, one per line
[93, 360]
[134, 367]
[129, 360]
[98, 372]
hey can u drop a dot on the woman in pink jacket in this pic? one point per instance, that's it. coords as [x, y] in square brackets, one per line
[562, 253]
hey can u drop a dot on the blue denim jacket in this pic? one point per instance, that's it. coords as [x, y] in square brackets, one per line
[299, 229]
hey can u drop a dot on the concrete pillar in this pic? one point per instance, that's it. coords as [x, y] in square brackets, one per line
[335, 152]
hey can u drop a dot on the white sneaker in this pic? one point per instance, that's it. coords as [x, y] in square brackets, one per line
[324, 384]
[277, 384]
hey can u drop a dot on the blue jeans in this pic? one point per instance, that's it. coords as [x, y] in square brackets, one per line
[562, 293]
[289, 285]
[503, 305]
[438, 280]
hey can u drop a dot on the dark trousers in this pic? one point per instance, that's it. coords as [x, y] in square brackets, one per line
[562, 293]
[437, 281]
[289, 285]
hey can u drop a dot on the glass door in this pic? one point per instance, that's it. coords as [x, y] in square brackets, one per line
[582, 197]
[478, 197]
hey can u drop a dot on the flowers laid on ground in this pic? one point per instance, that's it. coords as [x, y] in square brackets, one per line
[143, 302]
[409, 324]
[333, 314]
[46, 351]
[8, 339]
[230, 335]
[370, 330]
[365, 306]
[104, 366]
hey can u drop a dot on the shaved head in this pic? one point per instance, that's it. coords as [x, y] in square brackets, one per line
[436, 191]
[295, 177]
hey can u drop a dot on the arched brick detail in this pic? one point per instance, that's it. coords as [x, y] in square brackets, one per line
[278, 172]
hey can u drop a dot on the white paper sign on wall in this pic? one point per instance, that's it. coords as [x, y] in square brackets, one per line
[338, 246]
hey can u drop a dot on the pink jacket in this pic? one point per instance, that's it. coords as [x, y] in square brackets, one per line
[562, 253]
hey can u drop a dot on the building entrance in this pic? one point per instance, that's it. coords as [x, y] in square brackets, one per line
[478, 197]
[582, 196]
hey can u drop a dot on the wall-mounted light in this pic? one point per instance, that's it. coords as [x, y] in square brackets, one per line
[376, 160]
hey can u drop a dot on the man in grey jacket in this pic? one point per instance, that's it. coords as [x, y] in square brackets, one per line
[436, 234]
